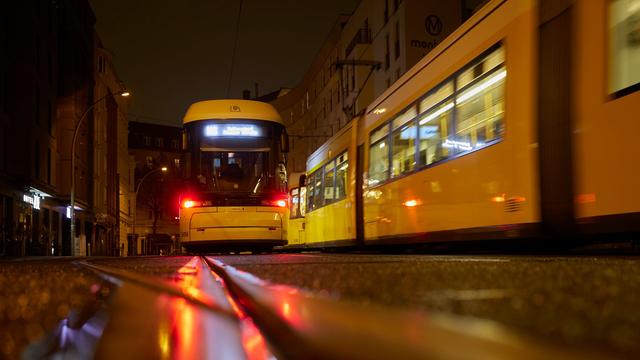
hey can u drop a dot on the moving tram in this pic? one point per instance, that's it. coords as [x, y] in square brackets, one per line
[234, 195]
[521, 124]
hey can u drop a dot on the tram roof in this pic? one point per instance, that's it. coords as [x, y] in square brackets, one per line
[231, 109]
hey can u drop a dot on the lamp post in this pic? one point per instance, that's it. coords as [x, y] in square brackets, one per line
[135, 197]
[72, 188]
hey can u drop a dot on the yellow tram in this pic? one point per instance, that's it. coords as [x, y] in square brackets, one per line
[235, 194]
[520, 124]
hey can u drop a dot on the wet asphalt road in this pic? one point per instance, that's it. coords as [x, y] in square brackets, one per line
[578, 301]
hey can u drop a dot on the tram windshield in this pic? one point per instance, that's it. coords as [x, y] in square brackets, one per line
[244, 172]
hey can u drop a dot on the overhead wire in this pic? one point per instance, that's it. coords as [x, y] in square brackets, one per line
[235, 46]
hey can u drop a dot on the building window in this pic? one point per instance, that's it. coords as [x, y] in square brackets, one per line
[175, 144]
[396, 43]
[387, 60]
[49, 166]
[37, 160]
[101, 64]
[37, 107]
[624, 46]
[353, 77]
[386, 11]
[160, 142]
[149, 161]
[147, 140]
[49, 118]
[176, 163]
[330, 100]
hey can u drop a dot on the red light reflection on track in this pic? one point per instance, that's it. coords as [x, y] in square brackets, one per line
[253, 342]
[184, 324]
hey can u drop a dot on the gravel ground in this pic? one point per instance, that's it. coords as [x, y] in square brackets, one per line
[580, 301]
[36, 295]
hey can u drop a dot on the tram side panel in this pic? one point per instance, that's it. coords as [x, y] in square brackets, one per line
[606, 122]
[330, 216]
[489, 190]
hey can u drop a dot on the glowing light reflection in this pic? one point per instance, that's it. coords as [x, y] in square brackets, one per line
[411, 203]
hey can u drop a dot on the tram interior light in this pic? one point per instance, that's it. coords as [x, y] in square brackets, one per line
[232, 130]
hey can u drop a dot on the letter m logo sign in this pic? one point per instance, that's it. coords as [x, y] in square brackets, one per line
[433, 25]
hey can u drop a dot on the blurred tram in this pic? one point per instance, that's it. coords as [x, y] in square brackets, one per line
[235, 195]
[521, 124]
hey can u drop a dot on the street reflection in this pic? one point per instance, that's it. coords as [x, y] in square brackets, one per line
[176, 338]
[77, 335]
[183, 337]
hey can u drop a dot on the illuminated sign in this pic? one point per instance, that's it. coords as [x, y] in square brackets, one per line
[33, 201]
[232, 130]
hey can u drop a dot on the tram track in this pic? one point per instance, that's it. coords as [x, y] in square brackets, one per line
[208, 309]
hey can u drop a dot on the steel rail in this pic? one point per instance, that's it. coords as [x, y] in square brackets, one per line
[117, 276]
[142, 315]
[301, 325]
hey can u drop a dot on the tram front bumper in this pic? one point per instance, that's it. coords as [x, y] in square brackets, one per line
[253, 224]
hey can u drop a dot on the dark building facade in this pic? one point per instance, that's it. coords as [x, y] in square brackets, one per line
[156, 224]
[46, 85]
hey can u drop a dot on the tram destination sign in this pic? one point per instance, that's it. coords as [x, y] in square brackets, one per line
[233, 130]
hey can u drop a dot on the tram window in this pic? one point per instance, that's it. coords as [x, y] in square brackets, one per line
[329, 175]
[311, 183]
[379, 134]
[436, 97]
[485, 65]
[295, 203]
[318, 200]
[342, 165]
[624, 48]
[378, 162]
[433, 125]
[403, 150]
[303, 201]
[404, 118]
[480, 112]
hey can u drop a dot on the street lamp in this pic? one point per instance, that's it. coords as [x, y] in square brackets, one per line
[72, 189]
[135, 196]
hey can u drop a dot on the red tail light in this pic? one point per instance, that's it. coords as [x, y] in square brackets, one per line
[188, 203]
[280, 201]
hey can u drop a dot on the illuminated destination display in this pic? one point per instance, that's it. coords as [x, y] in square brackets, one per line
[233, 130]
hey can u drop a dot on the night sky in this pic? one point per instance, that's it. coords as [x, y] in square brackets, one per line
[178, 52]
